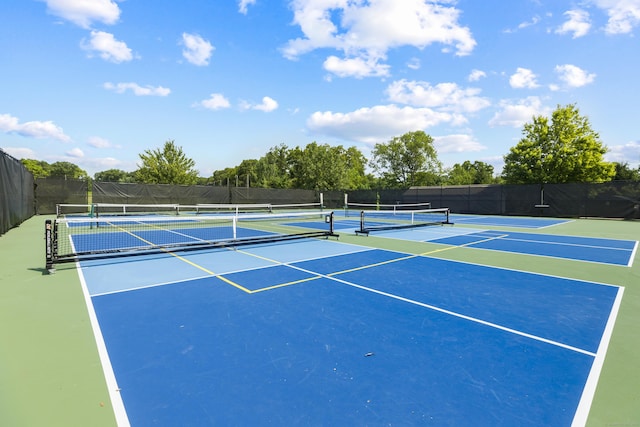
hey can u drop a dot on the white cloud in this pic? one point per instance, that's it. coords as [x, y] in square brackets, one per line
[523, 79]
[355, 67]
[523, 25]
[624, 15]
[578, 23]
[414, 64]
[137, 89]
[107, 47]
[476, 75]
[365, 31]
[444, 96]
[75, 152]
[526, 24]
[34, 129]
[627, 153]
[243, 4]
[573, 76]
[518, 113]
[99, 164]
[20, 152]
[216, 101]
[268, 105]
[97, 142]
[196, 49]
[375, 124]
[458, 143]
[83, 13]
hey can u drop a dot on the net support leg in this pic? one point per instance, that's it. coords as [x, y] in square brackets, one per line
[48, 239]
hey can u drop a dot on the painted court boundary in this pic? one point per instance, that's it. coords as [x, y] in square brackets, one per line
[585, 401]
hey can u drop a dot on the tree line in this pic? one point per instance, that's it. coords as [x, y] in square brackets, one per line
[557, 149]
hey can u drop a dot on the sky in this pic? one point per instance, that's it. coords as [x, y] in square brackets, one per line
[98, 82]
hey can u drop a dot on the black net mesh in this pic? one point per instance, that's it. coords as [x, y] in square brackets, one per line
[16, 193]
[52, 191]
[130, 193]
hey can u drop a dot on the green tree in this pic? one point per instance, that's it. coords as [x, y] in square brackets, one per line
[226, 176]
[325, 167]
[563, 149]
[246, 172]
[356, 163]
[38, 168]
[470, 173]
[67, 170]
[625, 173]
[273, 169]
[113, 175]
[168, 165]
[408, 160]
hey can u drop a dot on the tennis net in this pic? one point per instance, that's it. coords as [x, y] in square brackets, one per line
[76, 239]
[389, 207]
[128, 209]
[380, 220]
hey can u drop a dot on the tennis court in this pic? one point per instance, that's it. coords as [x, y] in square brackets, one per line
[291, 324]
[326, 331]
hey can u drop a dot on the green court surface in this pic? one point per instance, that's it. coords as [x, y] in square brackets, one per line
[50, 370]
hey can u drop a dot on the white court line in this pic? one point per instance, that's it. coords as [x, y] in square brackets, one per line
[465, 317]
[589, 391]
[119, 410]
[576, 245]
[633, 254]
[352, 250]
[441, 310]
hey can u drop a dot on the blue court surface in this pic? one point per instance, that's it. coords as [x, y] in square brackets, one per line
[506, 221]
[320, 332]
[587, 249]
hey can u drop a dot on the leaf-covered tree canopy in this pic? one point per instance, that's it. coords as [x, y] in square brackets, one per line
[408, 160]
[273, 170]
[38, 168]
[326, 167]
[65, 170]
[168, 165]
[113, 175]
[470, 173]
[625, 173]
[563, 149]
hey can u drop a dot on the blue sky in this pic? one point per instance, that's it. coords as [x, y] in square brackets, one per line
[97, 82]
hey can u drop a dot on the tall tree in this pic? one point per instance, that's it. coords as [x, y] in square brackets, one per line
[226, 176]
[38, 168]
[563, 149]
[246, 173]
[273, 169]
[113, 175]
[470, 173]
[625, 173]
[356, 164]
[168, 165]
[67, 170]
[323, 167]
[406, 160]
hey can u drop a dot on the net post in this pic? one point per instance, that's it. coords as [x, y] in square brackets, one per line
[49, 245]
[447, 212]
[234, 222]
[330, 219]
[362, 229]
